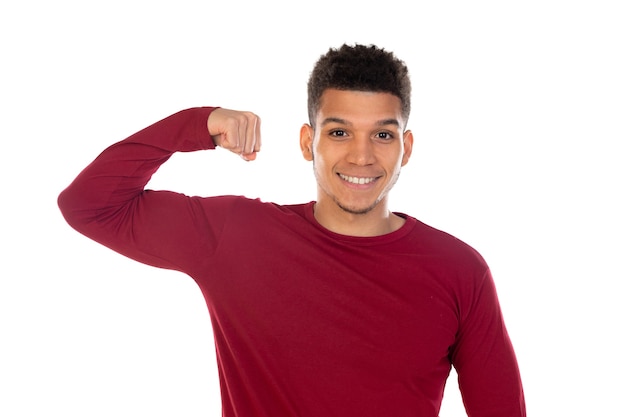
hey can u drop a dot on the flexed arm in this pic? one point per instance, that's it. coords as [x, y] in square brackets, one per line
[108, 202]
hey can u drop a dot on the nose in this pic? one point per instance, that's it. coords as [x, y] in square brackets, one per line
[361, 151]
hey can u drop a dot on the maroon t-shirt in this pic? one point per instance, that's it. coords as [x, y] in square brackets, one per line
[307, 322]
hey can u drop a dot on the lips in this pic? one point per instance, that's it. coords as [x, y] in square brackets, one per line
[357, 180]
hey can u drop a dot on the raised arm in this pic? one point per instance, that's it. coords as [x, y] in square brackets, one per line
[107, 201]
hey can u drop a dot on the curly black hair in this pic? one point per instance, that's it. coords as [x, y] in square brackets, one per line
[359, 68]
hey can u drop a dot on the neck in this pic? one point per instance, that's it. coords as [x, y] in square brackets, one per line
[376, 222]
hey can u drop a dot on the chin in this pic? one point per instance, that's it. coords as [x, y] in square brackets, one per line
[356, 209]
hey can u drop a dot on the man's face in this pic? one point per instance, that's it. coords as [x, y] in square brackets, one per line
[357, 146]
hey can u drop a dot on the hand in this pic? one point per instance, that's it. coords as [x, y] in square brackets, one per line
[237, 131]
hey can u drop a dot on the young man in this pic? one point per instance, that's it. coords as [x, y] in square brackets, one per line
[337, 307]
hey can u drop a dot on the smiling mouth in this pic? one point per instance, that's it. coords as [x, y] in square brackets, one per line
[357, 180]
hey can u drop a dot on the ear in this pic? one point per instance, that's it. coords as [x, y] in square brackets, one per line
[408, 147]
[306, 141]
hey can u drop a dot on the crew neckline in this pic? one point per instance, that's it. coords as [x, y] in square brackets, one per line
[405, 229]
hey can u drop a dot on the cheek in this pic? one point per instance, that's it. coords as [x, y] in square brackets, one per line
[319, 161]
[319, 165]
[393, 161]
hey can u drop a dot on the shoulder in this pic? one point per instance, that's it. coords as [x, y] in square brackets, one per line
[258, 206]
[438, 244]
[243, 210]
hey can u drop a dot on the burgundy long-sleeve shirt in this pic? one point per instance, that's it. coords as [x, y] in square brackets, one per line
[307, 322]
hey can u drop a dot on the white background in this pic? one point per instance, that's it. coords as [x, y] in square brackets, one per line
[519, 115]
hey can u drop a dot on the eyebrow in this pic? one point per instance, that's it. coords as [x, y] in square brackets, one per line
[384, 122]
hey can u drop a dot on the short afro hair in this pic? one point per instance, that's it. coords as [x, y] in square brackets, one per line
[359, 68]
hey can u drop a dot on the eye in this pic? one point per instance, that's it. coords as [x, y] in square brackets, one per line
[384, 136]
[338, 133]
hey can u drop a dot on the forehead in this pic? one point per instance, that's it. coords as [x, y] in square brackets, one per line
[362, 107]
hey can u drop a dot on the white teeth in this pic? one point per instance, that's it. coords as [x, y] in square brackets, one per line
[356, 180]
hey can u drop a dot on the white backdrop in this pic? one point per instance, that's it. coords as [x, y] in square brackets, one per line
[519, 115]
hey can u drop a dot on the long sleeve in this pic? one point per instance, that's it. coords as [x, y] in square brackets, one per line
[107, 201]
[484, 358]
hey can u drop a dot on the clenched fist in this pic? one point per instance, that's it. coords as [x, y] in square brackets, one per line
[237, 131]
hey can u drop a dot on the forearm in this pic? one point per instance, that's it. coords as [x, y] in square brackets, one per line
[489, 378]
